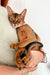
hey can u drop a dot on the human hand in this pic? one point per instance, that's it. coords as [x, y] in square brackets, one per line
[36, 58]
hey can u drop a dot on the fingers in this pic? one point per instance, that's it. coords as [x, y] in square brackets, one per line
[30, 64]
[36, 57]
[27, 70]
[33, 69]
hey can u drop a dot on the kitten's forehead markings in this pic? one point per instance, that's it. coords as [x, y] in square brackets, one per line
[15, 14]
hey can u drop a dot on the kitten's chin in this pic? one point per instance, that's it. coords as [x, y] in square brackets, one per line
[17, 26]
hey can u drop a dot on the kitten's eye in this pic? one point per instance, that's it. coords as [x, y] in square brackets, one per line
[18, 20]
[11, 18]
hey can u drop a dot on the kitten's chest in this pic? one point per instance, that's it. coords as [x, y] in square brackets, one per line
[25, 33]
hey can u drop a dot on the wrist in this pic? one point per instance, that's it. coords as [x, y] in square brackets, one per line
[23, 71]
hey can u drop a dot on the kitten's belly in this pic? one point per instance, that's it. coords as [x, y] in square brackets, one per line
[7, 36]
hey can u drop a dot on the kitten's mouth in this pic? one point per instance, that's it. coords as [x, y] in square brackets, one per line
[16, 26]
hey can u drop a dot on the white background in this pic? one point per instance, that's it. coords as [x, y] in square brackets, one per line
[38, 17]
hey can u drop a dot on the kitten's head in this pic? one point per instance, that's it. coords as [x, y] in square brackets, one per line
[16, 19]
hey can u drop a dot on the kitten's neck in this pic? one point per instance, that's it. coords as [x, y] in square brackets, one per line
[24, 23]
[21, 25]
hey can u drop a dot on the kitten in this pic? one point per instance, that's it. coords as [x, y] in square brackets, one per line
[28, 39]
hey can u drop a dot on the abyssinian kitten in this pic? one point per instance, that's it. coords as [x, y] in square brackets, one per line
[28, 39]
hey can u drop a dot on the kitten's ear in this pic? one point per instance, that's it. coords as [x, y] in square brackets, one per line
[23, 13]
[9, 10]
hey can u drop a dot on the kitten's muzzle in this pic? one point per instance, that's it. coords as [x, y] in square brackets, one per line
[15, 25]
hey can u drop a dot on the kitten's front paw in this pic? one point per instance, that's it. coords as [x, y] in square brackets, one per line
[12, 45]
[16, 45]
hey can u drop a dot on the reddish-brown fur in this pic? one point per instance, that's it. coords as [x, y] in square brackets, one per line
[3, 3]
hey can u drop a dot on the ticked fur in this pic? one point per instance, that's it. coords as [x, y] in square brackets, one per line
[25, 35]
